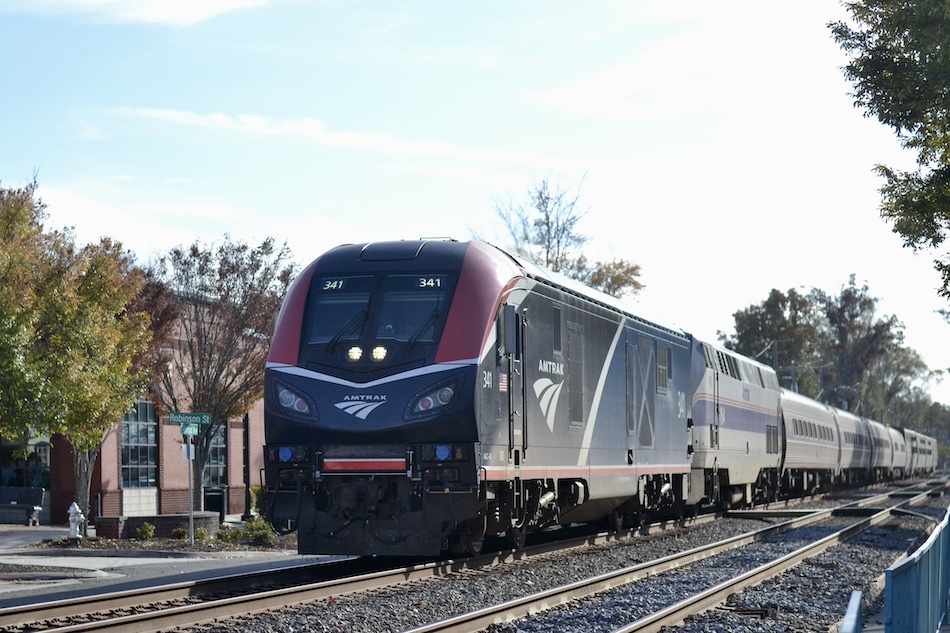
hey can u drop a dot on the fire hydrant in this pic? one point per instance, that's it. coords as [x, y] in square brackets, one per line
[76, 519]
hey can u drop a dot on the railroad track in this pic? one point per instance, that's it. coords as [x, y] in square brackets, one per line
[189, 604]
[698, 600]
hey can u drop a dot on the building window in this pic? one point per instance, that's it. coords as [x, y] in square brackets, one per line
[30, 472]
[216, 472]
[139, 441]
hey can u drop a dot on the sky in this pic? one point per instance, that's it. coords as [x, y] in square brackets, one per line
[713, 144]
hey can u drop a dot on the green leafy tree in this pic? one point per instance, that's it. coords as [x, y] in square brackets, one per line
[68, 336]
[544, 230]
[782, 331]
[894, 388]
[900, 68]
[835, 348]
[96, 340]
[855, 341]
[226, 298]
[24, 276]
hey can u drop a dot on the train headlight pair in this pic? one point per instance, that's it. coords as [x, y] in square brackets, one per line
[435, 399]
[292, 401]
[377, 354]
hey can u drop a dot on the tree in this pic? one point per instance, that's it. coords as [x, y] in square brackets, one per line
[900, 68]
[545, 231]
[96, 339]
[156, 300]
[227, 298]
[68, 336]
[894, 392]
[855, 341]
[837, 350]
[23, 247]
[783, 331]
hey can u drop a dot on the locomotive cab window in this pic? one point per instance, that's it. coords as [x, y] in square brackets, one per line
[411, 307]
[338, 308]
[407, 308]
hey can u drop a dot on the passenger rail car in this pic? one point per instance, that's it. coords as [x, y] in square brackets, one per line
[422, 395]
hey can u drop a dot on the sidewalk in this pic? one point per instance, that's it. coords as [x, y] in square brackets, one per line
[15, 537]
[16, 548]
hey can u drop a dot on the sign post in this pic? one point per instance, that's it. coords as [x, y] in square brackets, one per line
[189, 423]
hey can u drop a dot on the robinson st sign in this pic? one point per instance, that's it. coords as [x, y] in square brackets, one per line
[189, 422]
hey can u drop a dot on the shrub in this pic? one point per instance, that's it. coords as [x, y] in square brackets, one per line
[257, 500]
[230, 536]
[180, 533]
[201, 534]
[145, 532]
[260, 531]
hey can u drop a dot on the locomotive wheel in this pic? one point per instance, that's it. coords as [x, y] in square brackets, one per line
[615, 521]
[474, 536]
[475, 547]
[516, 536]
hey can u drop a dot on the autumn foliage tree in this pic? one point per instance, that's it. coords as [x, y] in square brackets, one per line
[69, 339]
[23, 247]
[96, 339]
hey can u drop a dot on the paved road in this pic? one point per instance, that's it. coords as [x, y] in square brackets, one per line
[85, 572]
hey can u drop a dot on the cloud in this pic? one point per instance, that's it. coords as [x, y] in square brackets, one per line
[170, 12]
[315, 131]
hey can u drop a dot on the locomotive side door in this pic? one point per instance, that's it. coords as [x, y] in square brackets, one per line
[641, 390]
[713, 365]
[514, 330]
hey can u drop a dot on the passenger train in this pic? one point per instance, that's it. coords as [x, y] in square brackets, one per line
[423, 395]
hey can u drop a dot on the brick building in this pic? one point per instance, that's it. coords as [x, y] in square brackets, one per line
[141, 469]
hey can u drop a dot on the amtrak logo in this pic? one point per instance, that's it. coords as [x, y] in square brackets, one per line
[548, 393]
[360, 406]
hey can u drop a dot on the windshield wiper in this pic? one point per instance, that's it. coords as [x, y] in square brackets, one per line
[348, 329]
[422, 329]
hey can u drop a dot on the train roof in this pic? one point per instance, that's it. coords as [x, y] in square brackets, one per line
[575, 287]
[404, 250]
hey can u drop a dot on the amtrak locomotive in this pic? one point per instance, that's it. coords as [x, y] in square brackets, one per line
[422, 395]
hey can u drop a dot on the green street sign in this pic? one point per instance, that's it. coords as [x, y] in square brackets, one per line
[189, 418]
[189, 429]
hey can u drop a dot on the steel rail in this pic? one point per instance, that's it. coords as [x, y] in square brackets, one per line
[677, 613]
[61, 617]
[536, 603]
[97, 610]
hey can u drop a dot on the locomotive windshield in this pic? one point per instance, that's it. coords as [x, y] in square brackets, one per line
[410, 305]
[336, 306]
[405, 308]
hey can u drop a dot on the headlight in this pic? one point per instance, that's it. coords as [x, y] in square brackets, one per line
[438, 398]
[292, 401]
[434, 400]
